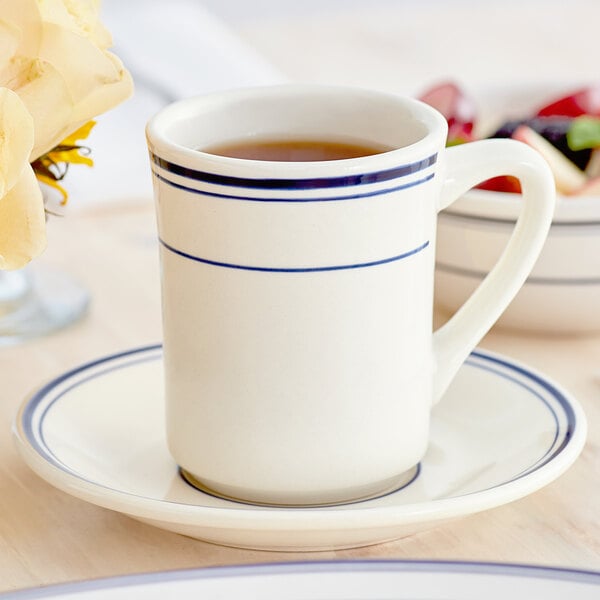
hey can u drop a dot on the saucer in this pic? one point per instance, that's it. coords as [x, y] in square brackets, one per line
[502, 431]
[332, 580]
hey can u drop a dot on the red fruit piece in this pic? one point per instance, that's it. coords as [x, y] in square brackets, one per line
[582, 102]
[504, 183]
[458, 109]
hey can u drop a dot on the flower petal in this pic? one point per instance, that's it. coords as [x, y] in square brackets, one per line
[46, 95]
[79, 134]
[20, 30]
[103, 98]
[96, 79]
[22, 222]
[16, 139]
[79, 16]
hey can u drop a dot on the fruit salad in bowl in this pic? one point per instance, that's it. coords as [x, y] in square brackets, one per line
[563, 291]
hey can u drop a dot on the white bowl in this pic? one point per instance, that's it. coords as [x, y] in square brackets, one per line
[562, 294]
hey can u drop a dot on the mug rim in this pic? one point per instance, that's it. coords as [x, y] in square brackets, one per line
[162, 147]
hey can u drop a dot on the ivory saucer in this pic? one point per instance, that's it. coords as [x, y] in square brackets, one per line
[501, 432]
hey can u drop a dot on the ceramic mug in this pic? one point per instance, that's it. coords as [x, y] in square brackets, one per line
[300, 363]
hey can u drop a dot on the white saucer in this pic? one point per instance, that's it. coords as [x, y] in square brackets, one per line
[358, 580]
[97, 432]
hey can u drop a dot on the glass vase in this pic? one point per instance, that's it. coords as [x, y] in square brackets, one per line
[38, 300]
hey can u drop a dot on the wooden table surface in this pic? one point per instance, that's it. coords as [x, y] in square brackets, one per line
[47, 536]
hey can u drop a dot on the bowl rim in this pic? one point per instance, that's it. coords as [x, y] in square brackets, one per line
[506, 207]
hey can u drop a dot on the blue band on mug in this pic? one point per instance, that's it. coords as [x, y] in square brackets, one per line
[396, 188]
[295, 184]
[227, 265]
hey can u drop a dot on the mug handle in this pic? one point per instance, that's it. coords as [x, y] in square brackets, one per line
[468, 165]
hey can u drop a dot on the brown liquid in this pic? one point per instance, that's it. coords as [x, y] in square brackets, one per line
[291, 150]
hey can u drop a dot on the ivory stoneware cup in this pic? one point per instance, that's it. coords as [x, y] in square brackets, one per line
[300, 363]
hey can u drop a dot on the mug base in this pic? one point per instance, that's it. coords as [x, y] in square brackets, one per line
[284, 500]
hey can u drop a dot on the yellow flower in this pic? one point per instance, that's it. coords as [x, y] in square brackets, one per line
[52, 166]
[68, 151]
[54, 57]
